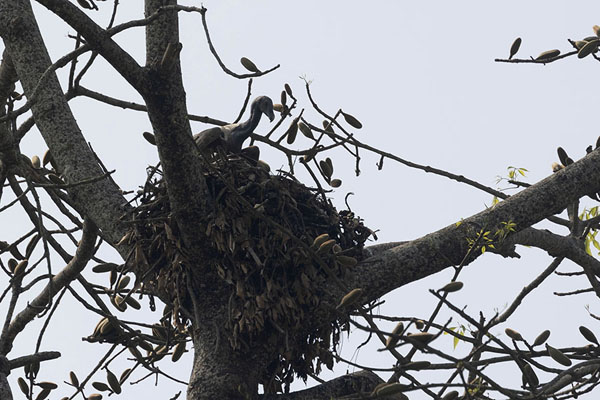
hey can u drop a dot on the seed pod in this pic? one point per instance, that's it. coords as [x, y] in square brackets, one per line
[452, 395]
[101, 386]
[14, 251]
[124, 375]
[326, 246]
[556, 167]
[20, 268]
[47, 158]
[123, 282]
[542, 337]
[352, 121]
[47, 385]
[35, 162]
[562, 155]
[55, 179]
[118, 302]
[283, 98]
[417, 365]
[596, 29]
[419, 324]
[389, 389]
[95, 396]
[579, 44]
[452, 287]
[263, 165]
[31, 245]
[288, 89]
[588, 48]
[306, 131]
[133, 303]
[350, 298]
[107, 328]
[319, 240]
[278, 107]
[150, 138]
[588, 334]
[178, 351]
[530, 376]
[335, 183]
[249, 65]
[113, 382]
[73, 379]
[421, 337]
[23, 386]
[43, 394]
[514, 47]
[392, 340]
[145, 345]
[292, 131]
[12, 264]
[514, 335]
[134, 352]
[346, 261]
[558, 356]
[327, 126]
[104, 267]
[330, 163]
[547, 55]
[325, 169]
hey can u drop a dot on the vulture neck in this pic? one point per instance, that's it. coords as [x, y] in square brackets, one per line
[243, 130]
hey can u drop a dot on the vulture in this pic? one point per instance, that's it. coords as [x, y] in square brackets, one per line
[232, 136]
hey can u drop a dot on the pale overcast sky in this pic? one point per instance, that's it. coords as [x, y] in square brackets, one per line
[422, 79]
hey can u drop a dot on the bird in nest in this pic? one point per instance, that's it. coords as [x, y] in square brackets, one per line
[232, 136]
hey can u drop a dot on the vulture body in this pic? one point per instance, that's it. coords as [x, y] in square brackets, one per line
[232, 136]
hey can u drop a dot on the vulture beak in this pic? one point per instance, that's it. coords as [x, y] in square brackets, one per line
[270, 114]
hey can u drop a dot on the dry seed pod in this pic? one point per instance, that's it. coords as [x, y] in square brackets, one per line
[119, 303]
[292, 131]
[31, 245]
[47, 385]
[278, 107]
[530, 376]
[145, 345]
[452, 287]
[330, 163]
[288, 89]
[35, 162]
[23, 386]
[336, 248]
[588, 48]
[421, 337]
[123, 282]
[419, 324]
[104, 267]
[542, 337]
[326, 246]
[95, 396]
[47, 158]
[562, 155]
[283, 98]
[263, 165]
[556, 167]
[113, 382]
[249, 65]
[319, 240]
[392, 340]
[55, 179]
[149, 138]
[178, 351]
[335, 183]
[579, 44]
[588, 334]
[12, 264]
[596, 29]
[558, 356]
[346, 261]
[14, 251]
[350, 298]
[547, 55]
[134, 352]
[43, 394]
[107, 328]
[325, 169]
[514, 47]
[452, 395]
[73, 379]
[416, 365]
[353, 122]
[327, 126]
[306, 131]
[514, 335]
[124, 375]
[133, 303]
[389, 389]
[101, 386]
[20, 268]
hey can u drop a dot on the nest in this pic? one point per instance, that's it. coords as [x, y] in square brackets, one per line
[274, 242]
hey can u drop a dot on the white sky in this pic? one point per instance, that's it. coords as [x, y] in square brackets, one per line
[421, 78]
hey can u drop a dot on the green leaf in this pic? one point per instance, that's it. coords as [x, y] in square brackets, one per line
[456, 341]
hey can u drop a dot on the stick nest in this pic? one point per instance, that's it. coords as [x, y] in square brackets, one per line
[274, 242]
